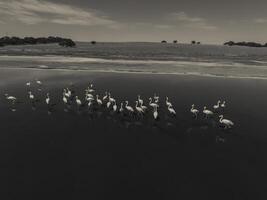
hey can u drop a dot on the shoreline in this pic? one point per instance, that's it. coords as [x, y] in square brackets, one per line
[193, 74]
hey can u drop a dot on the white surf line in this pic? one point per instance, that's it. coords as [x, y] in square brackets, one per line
[151, 73]
[70, 59]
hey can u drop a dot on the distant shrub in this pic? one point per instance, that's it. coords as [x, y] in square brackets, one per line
[247, 44]
[32, 41]
[67, 43]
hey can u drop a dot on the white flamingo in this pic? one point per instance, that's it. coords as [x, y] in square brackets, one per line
[223, 105]
[99, 102]
[31, 96]
[143, 107]
[47, 100]
[106, 96]
[153, 105]
[121, 108]
[78, 101]
[207, 112]
[115, 107]
[11, 98]
[140, 100]
[108, 104]
[227, 123]
[65, 100]
[68, 93]
[138, 109]
[38, 82]
[217, 105]
[156, 98]
[90, 103]
[155, 113]
[90, 89]
[167, 102]
[194, 111]
[89, 96]
[171, 110]
[112, 100]
[129, 108]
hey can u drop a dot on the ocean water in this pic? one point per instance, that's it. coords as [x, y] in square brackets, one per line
[81, 153]
[206, 60]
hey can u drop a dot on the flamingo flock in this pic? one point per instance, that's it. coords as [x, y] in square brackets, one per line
[91, 99]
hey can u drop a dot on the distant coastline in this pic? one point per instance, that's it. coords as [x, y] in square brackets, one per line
[246, 44]
[65, 42]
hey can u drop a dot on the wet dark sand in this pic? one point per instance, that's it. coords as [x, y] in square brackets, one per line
[82, 154]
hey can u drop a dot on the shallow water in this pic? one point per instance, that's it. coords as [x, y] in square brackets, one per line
[97, 154]
[203, 60]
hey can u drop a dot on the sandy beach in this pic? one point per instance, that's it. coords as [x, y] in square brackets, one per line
[96, 154]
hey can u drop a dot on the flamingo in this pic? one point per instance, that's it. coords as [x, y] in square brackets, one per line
[227, 123]
[31, 96]
[194, 111]
[11, 98]
[38, 82]
[156, 98]
[140, 100]
[153, 105]
[171, 110]
[207, 112]
[89, 96]
[90, 89]
[217, 105]
[90, 103]
[106, 96]
[115, 106]
[112, 100]
[143, 107]
[98, 100]
[65, 100]
[47, 100]
[121, 108]
[155, 113]
[78, 101]
[167, 102]
[129, 108]
[108, 104]
[139, 109]
[223, 105]
[66, 93]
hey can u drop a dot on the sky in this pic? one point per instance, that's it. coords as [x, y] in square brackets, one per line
[208, 21]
